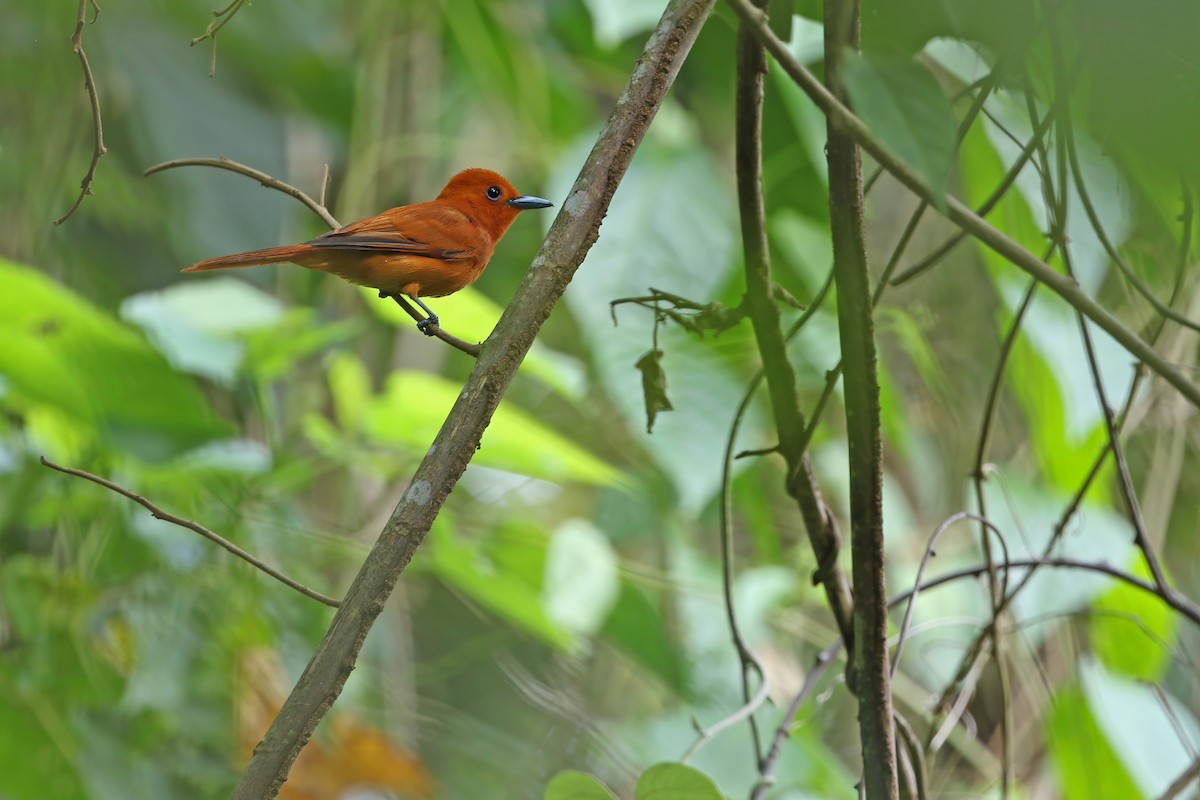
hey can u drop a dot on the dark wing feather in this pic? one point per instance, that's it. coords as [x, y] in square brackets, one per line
[431, 230]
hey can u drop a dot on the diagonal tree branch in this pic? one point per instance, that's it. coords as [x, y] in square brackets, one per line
[571, 236]
[959, 214]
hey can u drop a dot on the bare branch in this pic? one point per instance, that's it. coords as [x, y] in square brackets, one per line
[221, 17]
[744, 712]
[212, 536]
[250, 172]
[89, 83]
[825, 659]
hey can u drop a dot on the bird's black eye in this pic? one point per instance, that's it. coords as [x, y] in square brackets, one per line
[493, 193]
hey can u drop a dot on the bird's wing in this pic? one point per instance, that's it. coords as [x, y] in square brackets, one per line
[429, 229]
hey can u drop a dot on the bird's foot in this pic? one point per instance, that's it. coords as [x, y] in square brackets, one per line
[429, 324]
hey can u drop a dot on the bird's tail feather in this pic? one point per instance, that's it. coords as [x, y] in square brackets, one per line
[268, 255]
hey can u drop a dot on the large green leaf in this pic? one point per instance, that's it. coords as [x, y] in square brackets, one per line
[467, 569]
[1083, 759]
[63, 352]
[1135, 632]
[676, 782]
[904, 107]
[471, 316]
[414, 405]
[1143, 733]
[581, 582]
[191, 322]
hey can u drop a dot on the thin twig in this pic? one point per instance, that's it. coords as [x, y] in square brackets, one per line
[1125, 480]
[928, 554]
[916, 756]
[318, 208]
[744, 712]
[324, 184]
[985, 208]
[89, 83]
[1113, 253]
[196, 527]
[1180, 784]
[250, 172]
[825, 659]
[1177, 602]
[220, 19]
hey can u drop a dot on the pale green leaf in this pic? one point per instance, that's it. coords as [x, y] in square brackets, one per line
[464, 567]
[415, 404]
[676, 782]
[1135, 632]
[573, 785]
[1143, 734]
[64, 352]
[902, 104]
[582, 582]
[471, 315]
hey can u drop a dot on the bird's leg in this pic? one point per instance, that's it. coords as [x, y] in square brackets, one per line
[431, 321]
[423, 325]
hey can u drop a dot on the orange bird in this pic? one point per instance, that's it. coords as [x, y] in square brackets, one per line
[429, 249]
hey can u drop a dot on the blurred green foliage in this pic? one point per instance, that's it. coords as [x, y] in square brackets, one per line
[565, 611]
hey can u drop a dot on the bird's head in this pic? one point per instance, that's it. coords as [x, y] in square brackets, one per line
[488, 199]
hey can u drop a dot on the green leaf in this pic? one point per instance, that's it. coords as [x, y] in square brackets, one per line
[63, 352]
[350, 386]
[471, 315]
[1144, 735]
[636, 626]
[582, 582]
[573, 785]
[1083, 759]
[415, 404]
[467, 569]
[902, 104]
[676, 782]
[1135, 631]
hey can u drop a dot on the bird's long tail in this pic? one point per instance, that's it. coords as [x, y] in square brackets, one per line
[268, 255]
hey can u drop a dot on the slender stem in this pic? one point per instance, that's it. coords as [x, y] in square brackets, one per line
[856, 328]
[250, 172]
[212, 536]
[89, 83]
[825, 659]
